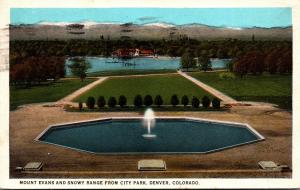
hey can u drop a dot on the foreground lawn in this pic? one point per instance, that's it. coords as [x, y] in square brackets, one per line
[275, 89]
[133, 72]
[164, 85]
[44, 93]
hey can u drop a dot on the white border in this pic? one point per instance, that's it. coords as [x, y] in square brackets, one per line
[5, 5]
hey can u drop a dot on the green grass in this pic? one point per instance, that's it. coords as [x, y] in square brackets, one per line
[164, 85]
[48, 92]
[130, 72]
[275, 89]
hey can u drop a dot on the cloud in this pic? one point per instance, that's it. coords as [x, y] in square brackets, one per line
[147, 18]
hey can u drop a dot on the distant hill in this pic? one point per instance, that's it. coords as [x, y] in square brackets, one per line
[93, 30]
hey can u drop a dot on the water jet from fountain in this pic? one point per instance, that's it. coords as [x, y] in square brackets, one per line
[149, 120]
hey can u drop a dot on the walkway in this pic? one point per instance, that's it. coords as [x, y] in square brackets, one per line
[80, 91]
[226, 99]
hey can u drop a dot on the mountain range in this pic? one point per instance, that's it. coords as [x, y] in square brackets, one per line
[148, 31]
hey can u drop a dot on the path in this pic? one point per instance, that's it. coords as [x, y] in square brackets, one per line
[142, 75]
[72, 96]
[82, 90]
[226, 99]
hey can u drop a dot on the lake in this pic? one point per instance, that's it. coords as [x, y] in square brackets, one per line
[105, 64]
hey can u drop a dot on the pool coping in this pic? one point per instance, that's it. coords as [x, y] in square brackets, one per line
[232, 124]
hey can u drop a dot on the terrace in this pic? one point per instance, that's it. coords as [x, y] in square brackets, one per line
[26, 124]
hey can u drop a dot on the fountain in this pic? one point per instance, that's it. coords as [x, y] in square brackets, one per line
[149, 120]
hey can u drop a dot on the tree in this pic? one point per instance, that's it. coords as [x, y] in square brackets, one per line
[31, 70]
[174, 100]
[216, 103]
[90, 102]
[184, 100]
[270, 61]
[204, 63]
[101, 102]
[284, 63]
[158, 100]
[205, 101]
[288, 57]
[251, 62]
[148, 100]
[79, 67]
[212, 53]
[138, 101]
[18, 73]
[122, 101]
[221, 53]
[195, 102]
[187, 61]
[229, 65]
[112, 102]
[171, 52]
[256, 62]
[253, 37]
[240, 67]
[80, 106]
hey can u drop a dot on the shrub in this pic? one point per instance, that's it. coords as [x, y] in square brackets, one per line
[184, 100]
[90, 102]
[80, 106]
[112, 102]
[148, 100]
[195, 102]
[216, 103]
[138, 101]
[205, 101]
[122, 101]
[158, 100]
[226, 75]
[101, 102]
[174, 100]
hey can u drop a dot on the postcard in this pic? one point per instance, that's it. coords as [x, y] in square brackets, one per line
[148, 94]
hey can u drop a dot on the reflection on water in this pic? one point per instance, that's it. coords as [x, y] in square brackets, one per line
[99, 64]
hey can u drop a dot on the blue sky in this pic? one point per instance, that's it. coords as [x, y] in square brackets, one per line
[229, 17]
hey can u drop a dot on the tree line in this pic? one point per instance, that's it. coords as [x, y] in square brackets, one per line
[40, 60]
[148, 101]
[229, 48]
[277, 60]
[34, 70]
[258, 58]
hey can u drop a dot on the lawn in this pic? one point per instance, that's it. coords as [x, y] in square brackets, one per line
[164, 85]
[275, 89]
[48, 92]
[130, 72]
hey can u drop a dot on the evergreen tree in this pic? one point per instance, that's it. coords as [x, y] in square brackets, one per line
[184, 100]
[158, 100]
[174, 100]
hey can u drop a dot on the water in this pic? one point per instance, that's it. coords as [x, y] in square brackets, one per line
[219, 63]
[104, 64]
[149, 122]
[125, 136]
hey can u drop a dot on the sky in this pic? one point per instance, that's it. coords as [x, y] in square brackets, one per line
[221, 17]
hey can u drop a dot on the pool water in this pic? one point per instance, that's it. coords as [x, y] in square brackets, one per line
[125, 136]
[105, 64]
